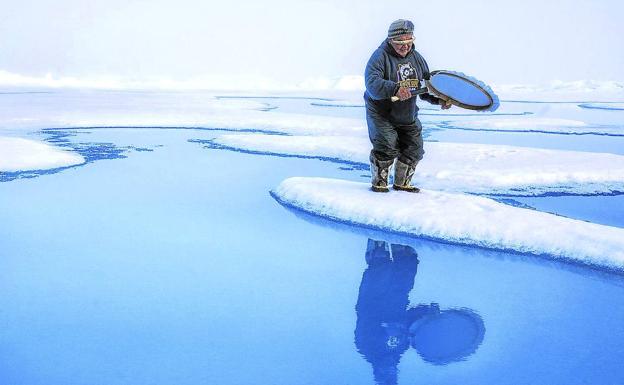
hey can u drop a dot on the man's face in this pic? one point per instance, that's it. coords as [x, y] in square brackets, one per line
[402, 44]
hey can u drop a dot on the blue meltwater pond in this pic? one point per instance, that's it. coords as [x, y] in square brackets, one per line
[174, 265]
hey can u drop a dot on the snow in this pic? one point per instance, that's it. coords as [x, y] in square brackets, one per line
[342, 83]
[205, 82]
[465, 167]
[580, 90]
[36, 110]
[457, 218]
[242, 120]
[201, 83]
[338, 103]
[17, 154]
[525, 123]
[72, 109]
[287, 123]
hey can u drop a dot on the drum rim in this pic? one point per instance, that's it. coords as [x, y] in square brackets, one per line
[453, 100]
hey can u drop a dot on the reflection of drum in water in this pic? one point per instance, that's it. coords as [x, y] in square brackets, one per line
[387, 325]
[442, 337]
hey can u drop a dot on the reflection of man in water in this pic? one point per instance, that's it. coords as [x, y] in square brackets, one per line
[381, 331]
[386, 327]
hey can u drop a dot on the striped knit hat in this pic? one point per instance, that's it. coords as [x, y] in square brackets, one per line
[400, 27]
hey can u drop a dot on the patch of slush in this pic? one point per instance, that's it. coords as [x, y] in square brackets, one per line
[530, 124]
[457, 218]
[463, 167]
[18, 154]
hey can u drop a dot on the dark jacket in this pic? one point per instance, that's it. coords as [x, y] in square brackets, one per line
[384, 70]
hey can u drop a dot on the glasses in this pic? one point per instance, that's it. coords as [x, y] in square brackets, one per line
[402, 42]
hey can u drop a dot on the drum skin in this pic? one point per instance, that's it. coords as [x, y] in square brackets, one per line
[462, 90]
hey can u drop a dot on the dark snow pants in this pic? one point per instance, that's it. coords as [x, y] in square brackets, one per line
[390, 141]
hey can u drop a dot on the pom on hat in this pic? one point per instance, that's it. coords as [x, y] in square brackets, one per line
[400, 27]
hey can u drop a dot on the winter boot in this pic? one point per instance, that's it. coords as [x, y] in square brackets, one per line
[403, 174]
[379, 172]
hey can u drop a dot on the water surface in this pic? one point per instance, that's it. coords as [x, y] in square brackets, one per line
[176, 266]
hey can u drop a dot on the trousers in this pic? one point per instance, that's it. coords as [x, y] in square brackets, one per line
[392, 140]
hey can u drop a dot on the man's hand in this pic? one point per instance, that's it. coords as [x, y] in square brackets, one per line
[446, 104]
[403, 93]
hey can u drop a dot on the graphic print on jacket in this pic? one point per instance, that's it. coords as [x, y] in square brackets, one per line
[407, 76]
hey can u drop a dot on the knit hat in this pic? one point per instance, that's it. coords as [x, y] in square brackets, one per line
[400, 27]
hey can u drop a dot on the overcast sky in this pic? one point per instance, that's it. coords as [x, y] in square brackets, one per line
[499, 41]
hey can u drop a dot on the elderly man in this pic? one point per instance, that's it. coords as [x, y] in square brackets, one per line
[395, 69]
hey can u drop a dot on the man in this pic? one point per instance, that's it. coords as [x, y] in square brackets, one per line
[395, 69]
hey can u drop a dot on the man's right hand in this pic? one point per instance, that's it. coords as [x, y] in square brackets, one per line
[403, 93]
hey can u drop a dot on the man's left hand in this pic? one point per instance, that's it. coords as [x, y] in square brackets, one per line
[445, 104]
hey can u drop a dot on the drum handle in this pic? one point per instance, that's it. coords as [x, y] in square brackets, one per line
[422, 90]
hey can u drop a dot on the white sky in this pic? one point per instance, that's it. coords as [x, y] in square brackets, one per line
[502, 42]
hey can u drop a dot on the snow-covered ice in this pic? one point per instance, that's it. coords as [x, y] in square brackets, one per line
[586, 90]
[338, 103]
[456, 218]
[73, 109]
[464, 167]
[243, 120]
[18, 154]
[66, 109]
[526, 123]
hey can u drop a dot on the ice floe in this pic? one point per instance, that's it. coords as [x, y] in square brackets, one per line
[463, 167]
[205, 82]
[17, 154]
[71, 109]
[298, 124]
[456, 218]
[63, 109]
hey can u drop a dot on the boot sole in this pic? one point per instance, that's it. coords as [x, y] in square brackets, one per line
[410, 189]
[380, 189]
